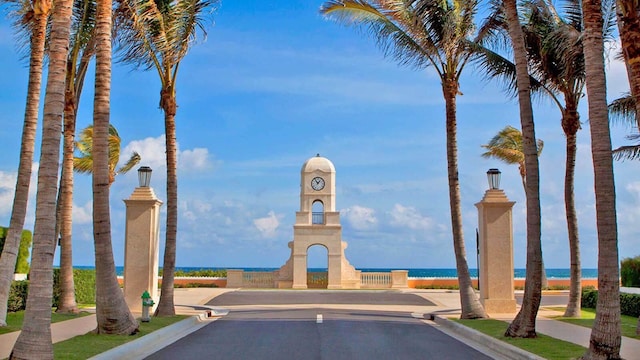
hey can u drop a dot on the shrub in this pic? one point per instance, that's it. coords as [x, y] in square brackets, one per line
[630, 272]
[22, 261]
[195, 285]
[200, 273]
[18, 296]
[629, 303]
[84, 281]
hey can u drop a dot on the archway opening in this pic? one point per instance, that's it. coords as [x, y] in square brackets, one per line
[317, 213]
[317, 265]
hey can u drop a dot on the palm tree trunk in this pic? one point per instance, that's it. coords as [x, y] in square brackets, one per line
[67, 300]
[166, 305]
[19, 209]
[34, 341]
[570, 125]
[605, 334]
[628, 15]
[524, 324]
[112, 313]
[469, 302]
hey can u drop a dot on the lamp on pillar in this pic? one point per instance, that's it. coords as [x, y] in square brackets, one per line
[493, 176]
[144, 176]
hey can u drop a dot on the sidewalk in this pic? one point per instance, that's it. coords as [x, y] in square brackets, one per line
[192, 301]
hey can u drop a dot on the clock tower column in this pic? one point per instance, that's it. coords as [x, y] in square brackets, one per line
[318, 223]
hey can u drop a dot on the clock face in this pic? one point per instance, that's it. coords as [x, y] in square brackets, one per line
[317, 183]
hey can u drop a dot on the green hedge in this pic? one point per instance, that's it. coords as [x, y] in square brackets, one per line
[630, 272]
[18, 296]
[22, 262]
[84, 281]
[629, 303]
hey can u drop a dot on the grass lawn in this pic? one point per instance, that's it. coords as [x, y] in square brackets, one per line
[88, 345]
[14, 320]
[628, 323]
[544, 346]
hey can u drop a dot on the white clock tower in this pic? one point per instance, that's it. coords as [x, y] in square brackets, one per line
[318, 223]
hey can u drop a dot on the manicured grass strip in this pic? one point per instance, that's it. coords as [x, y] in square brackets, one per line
[14, 320]
[544, 346]
[628, 323]
[88, 345]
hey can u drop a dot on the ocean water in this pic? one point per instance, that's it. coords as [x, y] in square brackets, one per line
[415, 273]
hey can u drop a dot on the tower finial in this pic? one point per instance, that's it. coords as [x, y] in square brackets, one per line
[318, 155]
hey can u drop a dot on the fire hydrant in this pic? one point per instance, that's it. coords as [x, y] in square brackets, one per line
[147, 303]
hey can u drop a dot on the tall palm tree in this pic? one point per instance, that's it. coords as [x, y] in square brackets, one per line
[34, 22]
[81, 51]
[84, 163]
[524, 323]
[158, 34]
[427, 33]
[34, 341]
[605, 335]
[506, 146]
[628, 12]
[112, 313]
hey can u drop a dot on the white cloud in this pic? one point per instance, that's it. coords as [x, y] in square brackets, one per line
[361, 218]
[410, 217]
[268, 225]
[83, 214]
[151, 150]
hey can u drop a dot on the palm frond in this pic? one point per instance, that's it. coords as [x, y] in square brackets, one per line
[623, 110]
[628, 152]
[133, 161]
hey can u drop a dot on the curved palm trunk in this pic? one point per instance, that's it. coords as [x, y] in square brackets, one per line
[166, 305]
[628, 14]
[524, 324]
[112, 312]
[605, 335]
[67, 300]
[471, 308]
[34, 341]
[19, 209]
[570, 125]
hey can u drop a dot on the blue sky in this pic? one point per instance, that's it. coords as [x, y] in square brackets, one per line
[275, 83]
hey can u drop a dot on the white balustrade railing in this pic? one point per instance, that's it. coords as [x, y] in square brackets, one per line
[375, 280]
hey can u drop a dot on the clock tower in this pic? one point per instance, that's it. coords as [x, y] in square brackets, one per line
[318, 223]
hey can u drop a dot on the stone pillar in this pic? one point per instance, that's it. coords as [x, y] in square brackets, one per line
[299, 270]
[141, 247]
[235, 278]
[399, 279]
[496, 252]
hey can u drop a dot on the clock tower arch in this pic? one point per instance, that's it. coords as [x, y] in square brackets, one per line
[314, 227]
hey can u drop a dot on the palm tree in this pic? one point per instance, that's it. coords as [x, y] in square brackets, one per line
[524, 323]
[84, 163]
[628, 13]
[506, 146]
[112, 313]
[81, 52]
[427, 33]
[34, 341]
[158, 34]
[33, 21]
[605, 335]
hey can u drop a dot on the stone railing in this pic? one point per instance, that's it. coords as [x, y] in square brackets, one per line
[396, 279]
[250, 279]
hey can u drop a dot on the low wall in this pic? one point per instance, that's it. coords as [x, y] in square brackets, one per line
[411, 282]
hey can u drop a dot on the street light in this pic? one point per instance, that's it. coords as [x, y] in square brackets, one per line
[493, 176]
[144, 176]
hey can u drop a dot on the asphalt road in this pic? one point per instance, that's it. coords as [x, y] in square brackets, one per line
[309, 334]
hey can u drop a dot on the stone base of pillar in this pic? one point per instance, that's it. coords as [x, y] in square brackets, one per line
[299, 286]
[499, 306]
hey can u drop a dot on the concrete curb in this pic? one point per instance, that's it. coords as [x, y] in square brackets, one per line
[151, 343]
[507, 350]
